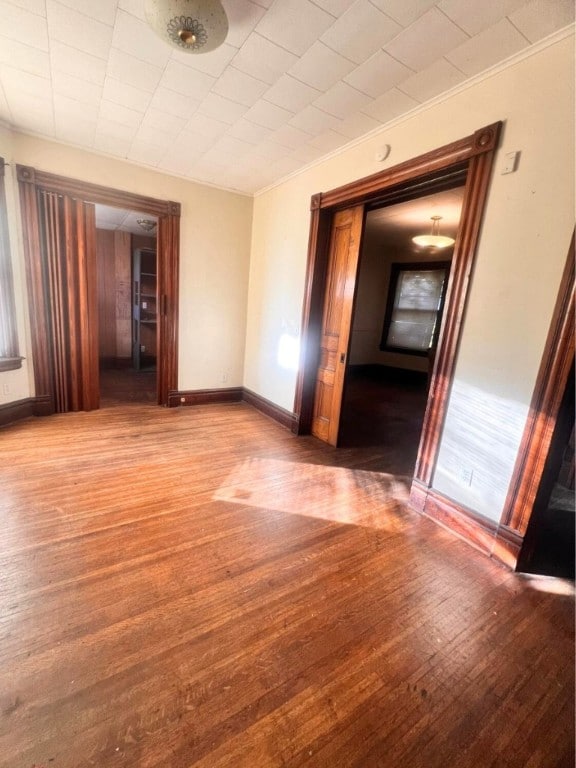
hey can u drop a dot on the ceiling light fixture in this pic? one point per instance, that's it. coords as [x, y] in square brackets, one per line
[434, 239]
[147, 224]
[194, 26]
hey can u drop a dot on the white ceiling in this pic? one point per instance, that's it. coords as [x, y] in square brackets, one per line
[295, 79]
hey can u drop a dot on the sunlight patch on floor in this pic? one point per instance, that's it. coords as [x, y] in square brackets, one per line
[550, 584]
[349, 496]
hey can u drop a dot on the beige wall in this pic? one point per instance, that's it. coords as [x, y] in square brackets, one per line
[522, 250]
[214, 256]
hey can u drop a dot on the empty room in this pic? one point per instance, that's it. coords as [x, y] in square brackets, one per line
[287, 383]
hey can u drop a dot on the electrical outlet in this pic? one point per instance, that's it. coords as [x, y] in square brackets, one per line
[6, 389]
[224, 377]
[142, 348]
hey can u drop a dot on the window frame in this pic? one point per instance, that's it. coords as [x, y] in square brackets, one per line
[396, 268]
[10, 360]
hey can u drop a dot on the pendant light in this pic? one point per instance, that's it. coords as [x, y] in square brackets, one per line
[434, 239]
[194, 26]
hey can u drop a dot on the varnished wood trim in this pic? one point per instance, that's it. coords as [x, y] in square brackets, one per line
[481, 141]
[507, 546]
[475, 529]
[281, 415]
[545, 404]
[31, 182]
[96, 193]
[19, 409]
[475, 194]
[204, 396]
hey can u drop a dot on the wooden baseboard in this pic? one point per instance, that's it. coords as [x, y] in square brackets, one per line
[20, 409]
[281, 415]
[485, 535]
[204, 396]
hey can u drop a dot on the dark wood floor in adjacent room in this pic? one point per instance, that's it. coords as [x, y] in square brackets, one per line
[199, 587]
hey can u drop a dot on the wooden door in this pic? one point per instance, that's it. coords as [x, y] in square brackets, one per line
[344, 251]
[68, 244]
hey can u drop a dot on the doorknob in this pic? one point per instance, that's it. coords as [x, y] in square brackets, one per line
[342, 356]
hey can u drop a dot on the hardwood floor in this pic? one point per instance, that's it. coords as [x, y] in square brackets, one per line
[125, 385]
[199, 587]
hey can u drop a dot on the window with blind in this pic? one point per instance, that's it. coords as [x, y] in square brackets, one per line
[414, 307]
[9, 359]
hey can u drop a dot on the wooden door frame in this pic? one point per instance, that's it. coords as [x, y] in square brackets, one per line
[543, 414]
[474, 154]
[31, 182]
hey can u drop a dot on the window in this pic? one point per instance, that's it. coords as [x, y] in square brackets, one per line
[9, 359]
[414, 307]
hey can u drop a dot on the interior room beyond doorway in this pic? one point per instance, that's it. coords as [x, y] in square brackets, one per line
[395, 328]
[127, 305]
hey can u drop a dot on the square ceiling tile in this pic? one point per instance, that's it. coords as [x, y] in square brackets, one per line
[102, 10]
[126, 95]
[117, 113]
[21, 25]
[20, 56]
[249, 132]
[294, 24]
[357, 125]
[243, 16]
[240, 87]
[132, 71]
[263, 59]
[134, 36]
[540, 18]
[68, 85]
[149, 135]
[435, 79]
[79, 132]
[360, 32]
[307, 154]
[289, 93]
[70, 27]
[135, 7]
[335, 7]
[163, 122]
[73, 110]
[328, 141]
[33, 116]
[78, 63]
[341, 100]
[173, 103]
[203, 125]
[426, 40]
[34, 6]
[187, 81]
[268, 115]
[476, 17]
[18, 84]
[487, 48]
[390, 105]
[222, 109]
[112, 145]
[314, 121]
[113, 129]
[228, 145]
[377, 75]
[147, 154]
[321, 67]
[405, 11]
[212, 63]
[289, 136]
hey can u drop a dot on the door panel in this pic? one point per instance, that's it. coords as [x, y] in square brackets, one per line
[343, 257]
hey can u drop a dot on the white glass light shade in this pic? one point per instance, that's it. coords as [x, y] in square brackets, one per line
[194, 26]
[434, 239]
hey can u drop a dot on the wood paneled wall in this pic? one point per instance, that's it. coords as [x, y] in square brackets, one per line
[114, 300]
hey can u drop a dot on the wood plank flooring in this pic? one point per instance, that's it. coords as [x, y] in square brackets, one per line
[199, 587]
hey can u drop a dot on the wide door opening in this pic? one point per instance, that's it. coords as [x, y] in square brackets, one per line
[400, 297]
[128, 305]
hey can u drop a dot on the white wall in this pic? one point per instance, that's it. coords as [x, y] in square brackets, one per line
[522, 250]
[214, 256]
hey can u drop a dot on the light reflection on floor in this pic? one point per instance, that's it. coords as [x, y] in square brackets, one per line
[550, 584]
[354, 497]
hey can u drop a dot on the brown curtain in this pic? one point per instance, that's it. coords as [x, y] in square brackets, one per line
[68, 246]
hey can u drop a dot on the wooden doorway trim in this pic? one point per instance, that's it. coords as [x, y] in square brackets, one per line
[32, 182]
[549, 390]
[475, 155]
